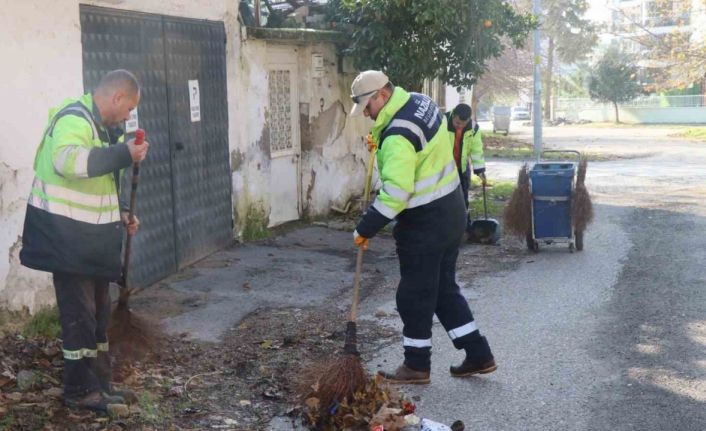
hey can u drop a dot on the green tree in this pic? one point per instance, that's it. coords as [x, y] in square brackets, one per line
[570, 37]
[573, 84]
[614, 79]
[674, 60]
[413, 40]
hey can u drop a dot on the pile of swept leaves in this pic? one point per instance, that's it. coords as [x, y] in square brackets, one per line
[377, 404]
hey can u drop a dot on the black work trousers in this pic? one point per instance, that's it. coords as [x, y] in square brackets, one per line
[427, 287]
[84, 313]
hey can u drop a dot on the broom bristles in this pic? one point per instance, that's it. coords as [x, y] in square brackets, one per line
[132, 337]
[333, 380]
[517, 216]
[581, 205]
[581, 209]
[581, 174]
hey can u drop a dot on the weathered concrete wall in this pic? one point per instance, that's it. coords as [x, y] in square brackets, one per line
[334, 150]
[332, 145]
[250, 149]
[42, 51]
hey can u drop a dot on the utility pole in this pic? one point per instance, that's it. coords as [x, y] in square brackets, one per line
[537, 99]
[258, 8]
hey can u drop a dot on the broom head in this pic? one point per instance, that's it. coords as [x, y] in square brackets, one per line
[581, 206]
[132, 336]
[335, 380]
[517, 216]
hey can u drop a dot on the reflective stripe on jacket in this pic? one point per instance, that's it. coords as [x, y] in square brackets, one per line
[73, 213]
[415, 163]
[472, 145]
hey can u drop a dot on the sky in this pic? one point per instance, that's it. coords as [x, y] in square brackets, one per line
[598, 10]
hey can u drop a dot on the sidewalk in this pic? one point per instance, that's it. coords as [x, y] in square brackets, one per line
[305, 267]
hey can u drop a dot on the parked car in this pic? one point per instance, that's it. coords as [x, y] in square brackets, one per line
[482, 116]
[520, 113]
[501, 119]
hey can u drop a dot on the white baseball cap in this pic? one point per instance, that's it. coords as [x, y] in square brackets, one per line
[364, 87]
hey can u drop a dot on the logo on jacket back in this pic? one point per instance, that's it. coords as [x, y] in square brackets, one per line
[423, 112]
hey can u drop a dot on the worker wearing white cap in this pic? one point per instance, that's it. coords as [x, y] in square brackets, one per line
[422, 192]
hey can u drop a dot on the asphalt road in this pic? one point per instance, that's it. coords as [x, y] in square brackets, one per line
[612, 338]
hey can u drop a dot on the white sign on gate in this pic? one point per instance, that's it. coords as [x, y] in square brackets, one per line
[132, 123]
[194, 100]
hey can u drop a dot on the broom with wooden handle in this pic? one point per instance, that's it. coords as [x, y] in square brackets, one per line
[131, 336]
[334, 380]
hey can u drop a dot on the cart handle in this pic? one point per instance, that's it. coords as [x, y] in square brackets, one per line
[577, 153]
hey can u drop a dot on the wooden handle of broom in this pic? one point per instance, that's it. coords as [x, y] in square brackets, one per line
[125, 292]
[361, 250]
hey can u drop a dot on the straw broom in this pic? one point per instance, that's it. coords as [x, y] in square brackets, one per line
[131, 336]
[333, 380]
[517, 216]
[581, 206]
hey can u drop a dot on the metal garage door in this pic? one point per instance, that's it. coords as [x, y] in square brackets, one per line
[184, 197]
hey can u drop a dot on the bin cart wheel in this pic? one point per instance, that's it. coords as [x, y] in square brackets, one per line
[579, 240]
[572, 248]
[531, 243]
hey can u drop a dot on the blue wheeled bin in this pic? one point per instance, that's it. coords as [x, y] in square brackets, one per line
[551, 188]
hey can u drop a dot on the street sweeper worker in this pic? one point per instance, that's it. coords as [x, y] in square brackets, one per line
[421, 191]
[73, 227]
[467, 143]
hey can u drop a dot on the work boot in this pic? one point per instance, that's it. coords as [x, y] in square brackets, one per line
[97, 401]
[479, 359]
[470, 367]
[406, 375]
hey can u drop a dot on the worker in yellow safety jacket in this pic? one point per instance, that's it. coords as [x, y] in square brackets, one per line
[467, 143]
[74, 223]
[421, 191]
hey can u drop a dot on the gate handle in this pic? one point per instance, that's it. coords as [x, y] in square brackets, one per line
[179, 146]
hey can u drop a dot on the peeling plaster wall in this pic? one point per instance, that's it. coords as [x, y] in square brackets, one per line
[250, 151]
[42, 51]
[42, 46]
[332, 145]
[334, 149]
[20, 287]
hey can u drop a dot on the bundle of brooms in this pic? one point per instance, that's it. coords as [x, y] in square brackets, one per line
[517, 215]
